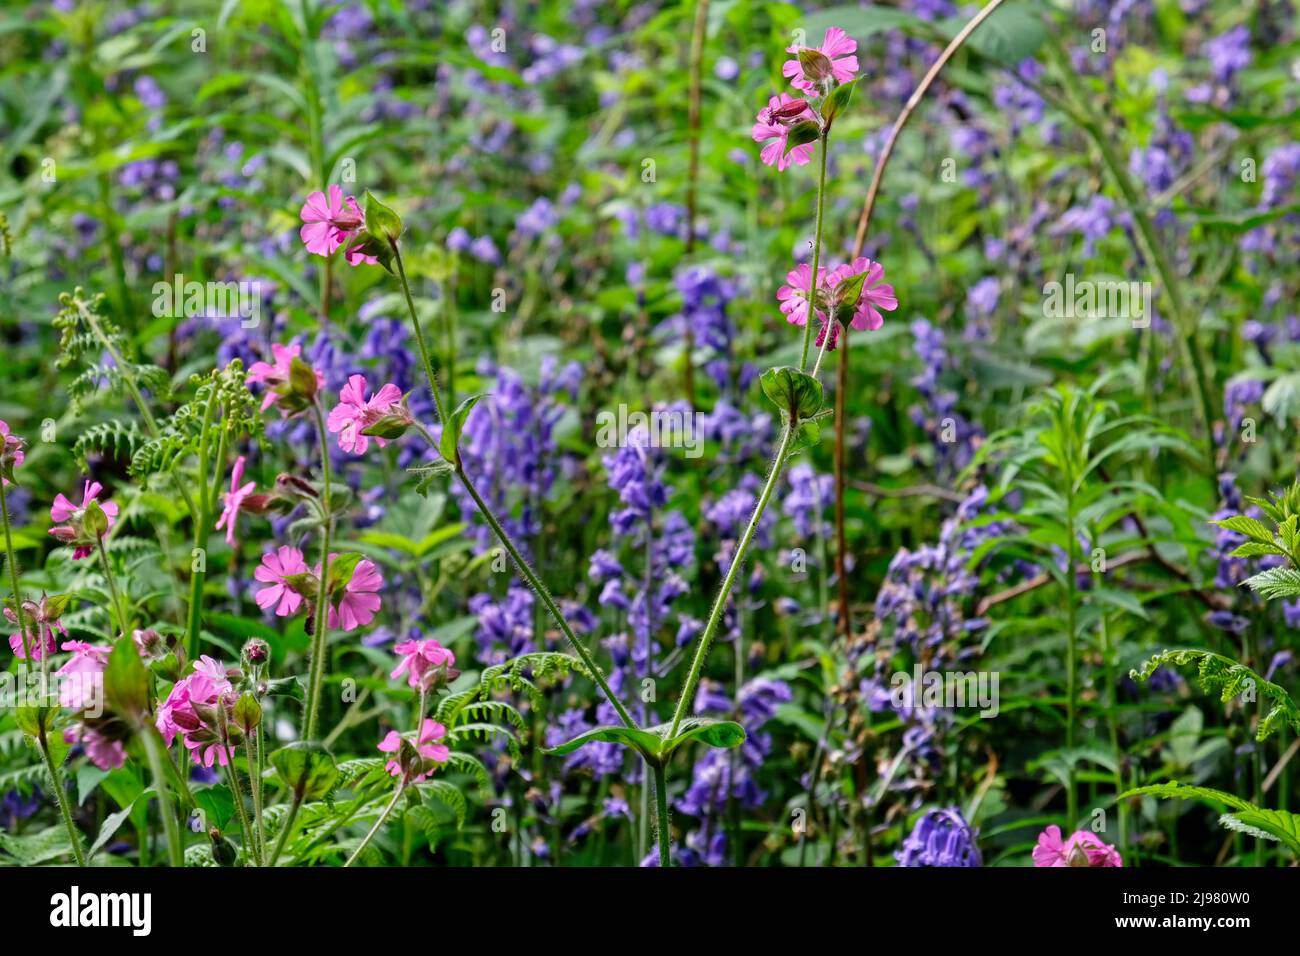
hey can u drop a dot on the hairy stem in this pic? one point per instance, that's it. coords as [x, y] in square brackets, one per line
[13, 575]
[824, 144]
[56, 785]
[118, 610]
[397, 795]
[320, 622]
[662, 831]
[154, 753]
[720, 603]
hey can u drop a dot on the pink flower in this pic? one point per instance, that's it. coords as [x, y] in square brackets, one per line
[235, 499]
[360, 600]
[837, 47]
[328, 223]
[104, 752]
[275, 567]
[773, 128]
[419, 658]
[432, 752]
[874, 297]
[1081, 849]
[87, 662]
[40, 620]
[41, 649]
[68, 519]
[192, 709]
[11, 451]
[354, 413]
[794, 295]
[276, 376]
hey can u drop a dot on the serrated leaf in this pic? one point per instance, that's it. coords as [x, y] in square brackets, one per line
[1275, 583]
[1250, 527]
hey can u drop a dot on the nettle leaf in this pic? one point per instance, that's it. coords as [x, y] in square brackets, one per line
[1250, 527]
[653, 742]
[1275, 583]
[449, 442]
[1278, 825]
[797, 394]
[1254, 549]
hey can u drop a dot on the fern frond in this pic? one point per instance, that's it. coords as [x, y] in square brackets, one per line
[528, 672]
[1230, 679]
[115, 438]
[447, 794]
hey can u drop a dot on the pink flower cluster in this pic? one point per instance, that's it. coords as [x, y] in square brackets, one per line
[354, 607]
[192, 711]
[355, 412]
[794, 296]
[68, 519]
[434, 754]
[421, 660]
[1081, 849]
[329, 222]
[275, 375]
[829, 65]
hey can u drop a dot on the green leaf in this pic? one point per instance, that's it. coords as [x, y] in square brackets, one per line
[126, 681]
[1182, 791]
[381, 220]
[838, 100]
[652, 742]
[305, 768]
[94, 520]
[802, 133]
[247, 713]
[1275, 583]
[643, 741]
[723, 734]
[1250, 527]
[1254, 549]
[449, 442]
[797, 394]
[1280, 825]
[112, 823]
[426, 475]
[1228, 678]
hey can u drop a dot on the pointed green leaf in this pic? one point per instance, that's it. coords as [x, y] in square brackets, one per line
[449, 442]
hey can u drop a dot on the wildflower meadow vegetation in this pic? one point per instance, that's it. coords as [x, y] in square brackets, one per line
[636, 433]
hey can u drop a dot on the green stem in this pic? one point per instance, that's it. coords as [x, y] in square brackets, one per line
[1071, 665]
[320, 630]
[285, 829]
[245, 828]
[202, 525]
[254, 755]
[13, 575]
[401, 789]
[540, 589]
[720, 603]
[152, 748]
[817, 253]
[56, 784]
[661, 816]
[116, 598]
[531, 576]
[419, 333]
